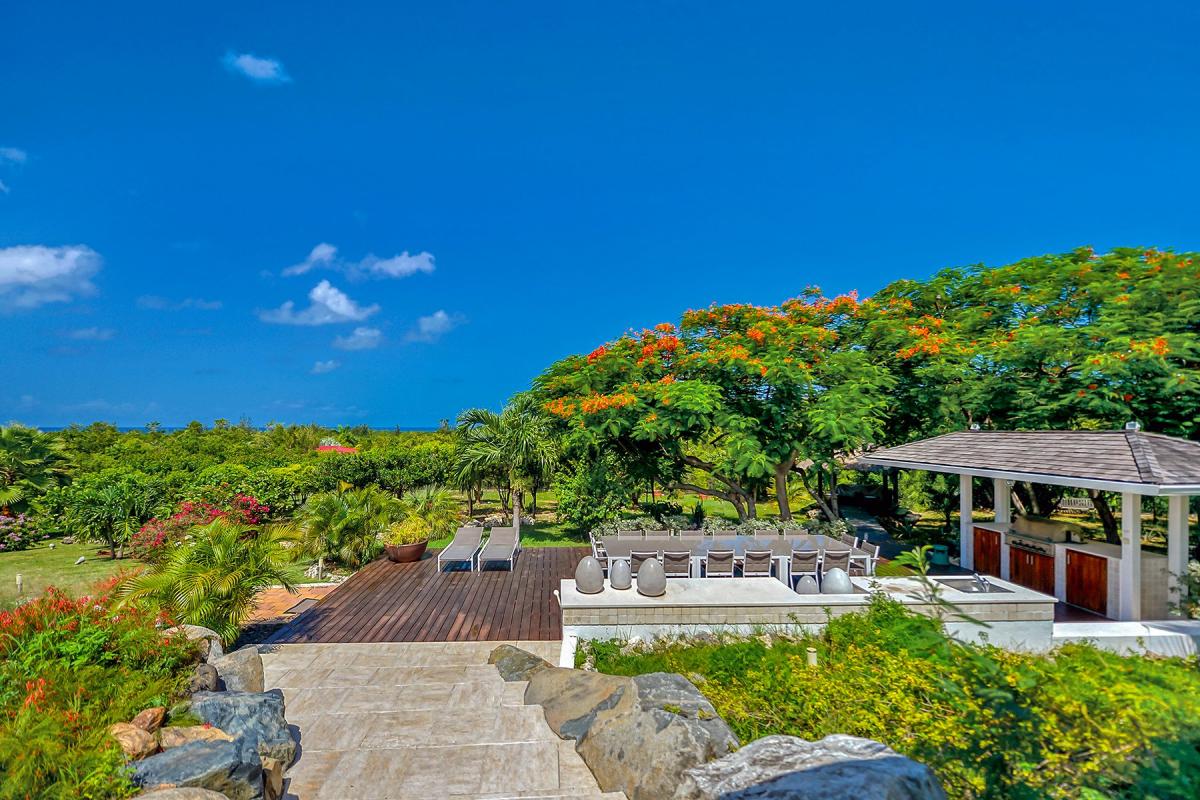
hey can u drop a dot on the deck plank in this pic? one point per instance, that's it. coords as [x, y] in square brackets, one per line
[387, 602]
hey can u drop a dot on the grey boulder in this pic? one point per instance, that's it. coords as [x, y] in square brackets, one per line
[204, 679]
[255, 719]
[210, 641]
[515, 664]
[837, 767]
[637, 735]
[240, 671]
[183, 793]
[216, 766]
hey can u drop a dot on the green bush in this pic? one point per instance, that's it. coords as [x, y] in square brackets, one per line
[1077, 723]
[69, 668]
[590, 495]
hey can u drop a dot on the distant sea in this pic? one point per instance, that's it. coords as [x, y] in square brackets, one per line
[172, 428]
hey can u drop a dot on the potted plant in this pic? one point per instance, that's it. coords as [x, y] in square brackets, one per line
[406, 541]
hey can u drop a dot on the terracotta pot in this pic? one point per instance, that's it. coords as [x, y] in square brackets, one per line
[406, 553]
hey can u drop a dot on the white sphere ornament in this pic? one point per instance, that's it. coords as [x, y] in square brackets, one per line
[589, 576]
[619, 576]
[836, 581]
[651, 579]
[807, 585]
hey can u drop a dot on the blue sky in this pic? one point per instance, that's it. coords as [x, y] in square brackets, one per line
[384, 213]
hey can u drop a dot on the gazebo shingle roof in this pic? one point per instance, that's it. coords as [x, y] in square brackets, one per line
[1125, 456]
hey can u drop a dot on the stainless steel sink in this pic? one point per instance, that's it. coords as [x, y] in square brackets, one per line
[972, 586]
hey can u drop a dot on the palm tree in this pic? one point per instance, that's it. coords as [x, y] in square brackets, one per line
[213, 579]
[345, 526]
[112, 512]
[433, 509]
[517, 445]
[30, 463]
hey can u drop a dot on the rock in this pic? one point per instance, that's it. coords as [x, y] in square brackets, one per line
[210, 641]
[135, 742]
[182, 793]
[837, 767]
[515, 664]
[217, 766]
[183, 707]
[179, 735]
[638, 734]
[204, 679]
[572, 699]
[272, 774]
[150, 720]
[240, 671]
[643, 751]
[254, 718]
[80, 560]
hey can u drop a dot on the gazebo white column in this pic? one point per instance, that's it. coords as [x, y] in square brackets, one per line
[1131, 556]
[1177, 546]
[966, 531]
[1002, 505]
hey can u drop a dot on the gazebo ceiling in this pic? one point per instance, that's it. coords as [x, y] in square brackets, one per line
[1124, 461]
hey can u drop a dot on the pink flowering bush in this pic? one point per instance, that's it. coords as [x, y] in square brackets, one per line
[18, 533]
[151, 542]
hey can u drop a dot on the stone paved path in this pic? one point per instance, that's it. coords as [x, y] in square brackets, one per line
[400, 721]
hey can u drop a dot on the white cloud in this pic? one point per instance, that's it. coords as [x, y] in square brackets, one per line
[361, 339]
[400, 266]
[32, 275]
[325, 256]
[259, 70]
[3, 188]
[14, 154]
[431, 328]
[321, 255]
[329, 305]
[92, 334]
[321, 367]
[153, 302]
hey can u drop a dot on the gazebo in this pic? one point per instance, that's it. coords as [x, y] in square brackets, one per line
[1131, 462]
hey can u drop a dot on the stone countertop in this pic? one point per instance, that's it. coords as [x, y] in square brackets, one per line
[999, 527]
[1105, 550]
[763, 592]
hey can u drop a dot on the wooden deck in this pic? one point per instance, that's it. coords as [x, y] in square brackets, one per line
[387, 602]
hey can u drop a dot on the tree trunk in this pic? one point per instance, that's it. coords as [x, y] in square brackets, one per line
[1112, 533]
[830, 513]
[533, 504]
[321, 568]
[516, 514]
[781, 488]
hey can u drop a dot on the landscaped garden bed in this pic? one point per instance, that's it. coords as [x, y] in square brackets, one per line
[69, 669]
[1078, 723]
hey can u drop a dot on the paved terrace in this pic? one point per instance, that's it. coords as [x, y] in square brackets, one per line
[387, 602]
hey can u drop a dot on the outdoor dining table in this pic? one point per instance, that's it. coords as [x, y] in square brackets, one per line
[780, 546]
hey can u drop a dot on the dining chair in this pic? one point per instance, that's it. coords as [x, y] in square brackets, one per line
[757, 564]
[804, 562]
[638, 557]
[718, 564]
[677, 564]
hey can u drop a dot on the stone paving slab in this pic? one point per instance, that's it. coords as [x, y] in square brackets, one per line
[400, 721]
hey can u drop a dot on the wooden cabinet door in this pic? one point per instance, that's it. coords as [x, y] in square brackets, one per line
[987, 552]
[1041, 578]
[1087, 581]
[1018, 565]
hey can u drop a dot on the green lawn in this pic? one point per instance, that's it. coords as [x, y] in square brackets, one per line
[40, 567]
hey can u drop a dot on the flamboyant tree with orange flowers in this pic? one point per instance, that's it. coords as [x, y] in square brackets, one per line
[1076, 340]
[740, 394]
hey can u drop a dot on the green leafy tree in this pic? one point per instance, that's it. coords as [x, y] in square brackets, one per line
[31, 462]
[431, 512]
[213, 579]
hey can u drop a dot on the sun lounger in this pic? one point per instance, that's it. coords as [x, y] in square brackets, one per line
[464, 547]
[502, 545]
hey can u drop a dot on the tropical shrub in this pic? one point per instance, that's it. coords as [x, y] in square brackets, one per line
[18, 533]
[590, 495]
[345, 526]
[431, 511]
[152, 539]
[212, 579]
[1077, 723]
[69, 668]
